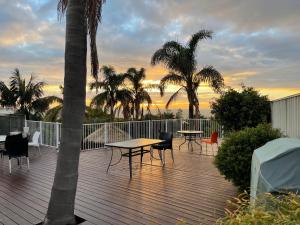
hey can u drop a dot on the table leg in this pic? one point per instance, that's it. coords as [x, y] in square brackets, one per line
[183, 142]
[199, 145]
[111, 157]
[130, 162]
[142, 154]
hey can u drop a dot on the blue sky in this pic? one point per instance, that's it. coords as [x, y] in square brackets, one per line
[256, 42]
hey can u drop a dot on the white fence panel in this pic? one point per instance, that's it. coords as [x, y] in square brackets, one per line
[96, 135]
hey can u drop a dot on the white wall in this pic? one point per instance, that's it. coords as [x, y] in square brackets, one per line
[286, 115]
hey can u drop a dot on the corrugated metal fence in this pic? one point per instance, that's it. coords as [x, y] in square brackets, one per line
[286, 115]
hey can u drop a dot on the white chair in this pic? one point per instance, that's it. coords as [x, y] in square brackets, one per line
[35, 141]
[25, 132]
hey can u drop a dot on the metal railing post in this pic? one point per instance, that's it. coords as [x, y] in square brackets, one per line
[41, 133]
[180, 124]
[129, 130]
[105, 133]
[149, 128]
[166, 121]
[57, 134]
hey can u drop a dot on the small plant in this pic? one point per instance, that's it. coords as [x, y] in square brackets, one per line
[268, 209]
[235, 154]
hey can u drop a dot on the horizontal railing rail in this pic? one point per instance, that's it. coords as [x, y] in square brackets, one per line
[96, 135]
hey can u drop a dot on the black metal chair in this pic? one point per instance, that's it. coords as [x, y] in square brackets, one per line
[162, 147]
[16, 147]
[2, 149]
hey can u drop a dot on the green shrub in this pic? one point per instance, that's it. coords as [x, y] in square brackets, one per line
[268, 209]
[234, 156]
[237, 110]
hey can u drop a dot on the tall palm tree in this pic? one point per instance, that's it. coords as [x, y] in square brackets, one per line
[138, 89]
[112, 91]
[181, 62]
[26, 97]
[82, 18]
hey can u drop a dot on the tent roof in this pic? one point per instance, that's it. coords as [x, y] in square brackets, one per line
[276, 148]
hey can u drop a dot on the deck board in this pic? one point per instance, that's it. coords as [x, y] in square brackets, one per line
[191, 189]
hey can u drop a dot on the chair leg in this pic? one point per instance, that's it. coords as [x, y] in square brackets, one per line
[9, 165]
[151, 154]
[160, 155]
[39, 150]
[164, 157]
[172, 154]
[27, 162]
[206, 148]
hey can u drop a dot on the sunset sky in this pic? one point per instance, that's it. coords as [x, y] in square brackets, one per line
[255, 42]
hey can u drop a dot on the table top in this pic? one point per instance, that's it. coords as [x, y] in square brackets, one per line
[190, 132]
[134, 143]
[2, 138]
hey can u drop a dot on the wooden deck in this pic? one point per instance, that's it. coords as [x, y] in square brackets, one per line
[191, 190]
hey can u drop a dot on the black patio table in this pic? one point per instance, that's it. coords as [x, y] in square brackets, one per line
[135, 147]
[190, 135]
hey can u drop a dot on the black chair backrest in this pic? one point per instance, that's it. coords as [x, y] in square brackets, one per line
[16, 146]
[168, 137]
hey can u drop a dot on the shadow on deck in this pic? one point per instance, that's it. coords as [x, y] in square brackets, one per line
[191, 189]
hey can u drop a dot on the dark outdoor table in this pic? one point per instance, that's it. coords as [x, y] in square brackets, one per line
[190, 135]
[135, 148]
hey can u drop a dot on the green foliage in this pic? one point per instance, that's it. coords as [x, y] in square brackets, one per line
[139, 93]
[168, 114]
[112, 92]
[26, 96]
[237, 110]
[95, 115]
[268, 210]
[179, 114]
[234, 156]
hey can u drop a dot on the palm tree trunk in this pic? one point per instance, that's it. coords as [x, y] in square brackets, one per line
[137, 111]
[62, 201]
[112, 113]
[191, 110]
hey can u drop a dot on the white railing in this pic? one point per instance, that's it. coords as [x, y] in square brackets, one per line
[96, 135]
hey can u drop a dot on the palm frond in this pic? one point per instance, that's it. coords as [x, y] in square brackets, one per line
[93, 14]
[174, 97]
[171, 78]
[8, 98]
[53, 99]
[39, 105]
[53, 114]
[201, 35]
[107, 71]
[145, 97]
[16, 82]
[167, 53]
[100, 99]
[211, 76]
[93, 11]
[159, 56]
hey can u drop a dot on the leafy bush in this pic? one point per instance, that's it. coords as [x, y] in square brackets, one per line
[268, 210]
[234, 156]
[237, 110]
